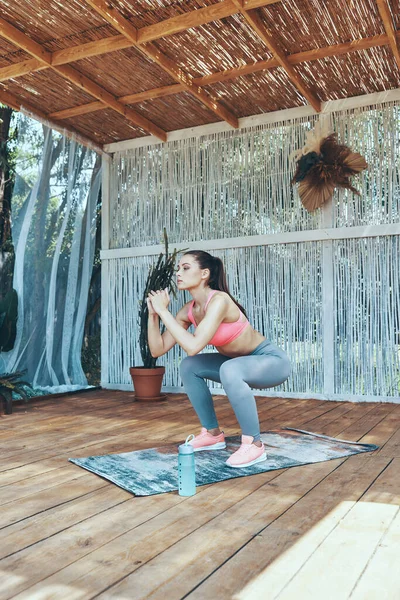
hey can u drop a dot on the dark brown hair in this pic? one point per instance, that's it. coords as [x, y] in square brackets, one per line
[217, 279]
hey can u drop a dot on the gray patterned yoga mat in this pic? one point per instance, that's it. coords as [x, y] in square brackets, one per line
[155, 470]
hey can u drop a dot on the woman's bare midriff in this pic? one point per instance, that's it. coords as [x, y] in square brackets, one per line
[243, 345]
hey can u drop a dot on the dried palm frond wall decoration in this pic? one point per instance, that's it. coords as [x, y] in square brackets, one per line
[324, 165]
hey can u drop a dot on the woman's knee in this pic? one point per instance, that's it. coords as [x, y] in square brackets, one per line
[189, 366]
[228, 371]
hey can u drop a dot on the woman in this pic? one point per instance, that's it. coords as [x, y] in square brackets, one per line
[244, 357]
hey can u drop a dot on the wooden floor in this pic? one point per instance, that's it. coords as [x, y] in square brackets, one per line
[324, 531]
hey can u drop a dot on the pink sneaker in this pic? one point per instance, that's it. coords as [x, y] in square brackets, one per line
[207, 441]
[247, 455]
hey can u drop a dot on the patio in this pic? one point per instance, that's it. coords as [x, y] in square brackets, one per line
[328, 530]
[231, 88]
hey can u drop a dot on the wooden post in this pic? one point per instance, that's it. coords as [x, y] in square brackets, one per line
[328, 312]
[105, 244]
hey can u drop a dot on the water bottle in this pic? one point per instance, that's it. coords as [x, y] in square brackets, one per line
[186, 471]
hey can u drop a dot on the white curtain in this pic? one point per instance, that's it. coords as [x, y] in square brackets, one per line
[53, 226]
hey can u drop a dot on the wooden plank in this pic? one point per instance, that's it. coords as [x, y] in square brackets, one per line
[23, 41]
[95, 556]
[385, 434]
[187, 561]
[157, 430]
[272, 558]
[151, 51]
[386, 16]
[248, 4]
[83, 109]
[13, 35]
[118, 539]
[124, 26]
[119, 42]
[47, 523]
[358, 45]
[318, 423]
[392, 446]
[254, 20]
[96, 48]
[193, 18]
[152, 421]
[26, 472]
[128, 99]
[39, 483]
[361, 428]
[124, 436]
[381, 578]
[160, 92]
[337, 427]
[12, 512]
[347, 550]
[87, 85]
[22, 68]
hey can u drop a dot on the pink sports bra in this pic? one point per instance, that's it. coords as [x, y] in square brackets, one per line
[226, 332]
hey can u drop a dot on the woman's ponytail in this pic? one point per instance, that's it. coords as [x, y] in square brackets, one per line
[217, 279]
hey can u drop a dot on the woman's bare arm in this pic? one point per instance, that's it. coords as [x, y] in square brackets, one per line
[193, 343]
[160, 344]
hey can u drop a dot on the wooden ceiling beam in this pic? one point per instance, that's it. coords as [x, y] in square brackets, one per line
[228, 74]
[25, 67]
[89, 49]
[19, 39]
[167, 90]
[386, 16]
[249, 4]
[22, 41]
[124, 26]
[253, 18]
[31, 65]
[76, 111]
[109, 101]
[120, 42]
[187, 81]
[17, 104]
[195, 18]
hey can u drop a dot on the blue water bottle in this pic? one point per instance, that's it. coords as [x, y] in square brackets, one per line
[186, 470]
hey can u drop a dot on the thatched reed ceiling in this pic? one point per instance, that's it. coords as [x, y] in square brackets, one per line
[112, 70]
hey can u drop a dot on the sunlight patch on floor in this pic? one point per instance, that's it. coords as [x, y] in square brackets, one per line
[51, 592]
[328, 561]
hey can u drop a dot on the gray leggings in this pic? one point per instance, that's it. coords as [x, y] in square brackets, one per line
[267, 366]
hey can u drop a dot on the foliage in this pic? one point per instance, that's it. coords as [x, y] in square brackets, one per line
[8, 320]
[161, 276]
[11, 383]
[91, 359]
[8, 134]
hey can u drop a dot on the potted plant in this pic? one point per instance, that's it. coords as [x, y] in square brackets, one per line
[9, 383]
[147, 379]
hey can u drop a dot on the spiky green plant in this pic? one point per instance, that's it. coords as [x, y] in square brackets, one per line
[9, 383]
[160, 276]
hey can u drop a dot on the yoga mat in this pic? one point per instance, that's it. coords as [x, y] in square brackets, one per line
[155, 470]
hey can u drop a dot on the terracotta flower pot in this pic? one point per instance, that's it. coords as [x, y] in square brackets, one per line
[147, 383]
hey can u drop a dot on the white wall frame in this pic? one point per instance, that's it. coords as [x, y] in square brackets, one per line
[327, 234]
[271, 394]
[272, 117]
[294, 237]
[105, 243]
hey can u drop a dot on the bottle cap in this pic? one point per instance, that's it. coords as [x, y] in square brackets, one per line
[187, 448]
